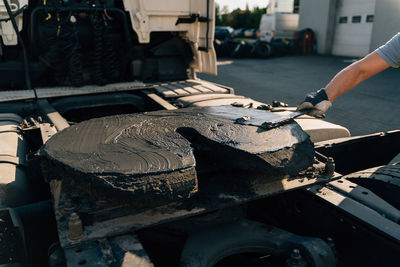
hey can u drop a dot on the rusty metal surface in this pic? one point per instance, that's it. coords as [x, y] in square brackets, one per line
[234, 164]
[123, 250]
[215, 193]
[47, 131]
[146, 156]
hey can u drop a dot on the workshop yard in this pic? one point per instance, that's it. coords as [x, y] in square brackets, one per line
[373, 106]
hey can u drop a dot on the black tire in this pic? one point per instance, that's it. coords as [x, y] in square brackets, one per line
[206, 248]
[226, 48]
[243, 50]
[384, 181]
[262, 50]
[218, 46]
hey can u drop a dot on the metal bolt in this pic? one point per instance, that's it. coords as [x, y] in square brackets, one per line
[265, 107]
[295, 259]
[277, 104]
[68, 207]
[295, 254]
[331, 244]
[72, 19]
[242, 119]
[330, 167]
[75, 228]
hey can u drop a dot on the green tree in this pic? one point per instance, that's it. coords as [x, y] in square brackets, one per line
[218, 20]
[238, 18]
[296, 6]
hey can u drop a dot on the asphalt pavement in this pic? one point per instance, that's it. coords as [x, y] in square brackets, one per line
[373, 106]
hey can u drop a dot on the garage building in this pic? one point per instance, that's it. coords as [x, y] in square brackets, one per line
[350, 27]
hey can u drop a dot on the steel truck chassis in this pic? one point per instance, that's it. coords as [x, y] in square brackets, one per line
[113, 153]
[345, 203]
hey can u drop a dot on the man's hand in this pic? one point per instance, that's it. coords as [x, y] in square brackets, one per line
[317, 102]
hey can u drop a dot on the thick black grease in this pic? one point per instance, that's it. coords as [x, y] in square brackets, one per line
[153, 152]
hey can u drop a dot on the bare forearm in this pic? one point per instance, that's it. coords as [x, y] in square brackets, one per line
[354, 74]
[344, 81]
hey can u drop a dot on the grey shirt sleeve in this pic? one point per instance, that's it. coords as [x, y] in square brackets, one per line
[390, 52]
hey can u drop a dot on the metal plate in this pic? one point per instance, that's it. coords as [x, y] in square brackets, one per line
[15, 95]
[255, 117]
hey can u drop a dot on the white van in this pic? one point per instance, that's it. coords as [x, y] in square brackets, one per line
[278, 26]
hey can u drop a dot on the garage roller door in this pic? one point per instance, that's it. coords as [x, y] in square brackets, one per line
[353, 29]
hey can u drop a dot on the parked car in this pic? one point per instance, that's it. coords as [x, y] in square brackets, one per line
[250, 33]
[223, 32]
[238, 32]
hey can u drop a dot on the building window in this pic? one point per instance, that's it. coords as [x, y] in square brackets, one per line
[356, 19]
[369, 19]
[343, 20]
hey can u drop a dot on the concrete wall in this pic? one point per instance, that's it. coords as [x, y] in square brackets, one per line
[387, 22]
[319, 15]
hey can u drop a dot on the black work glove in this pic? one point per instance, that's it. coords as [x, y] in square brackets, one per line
[317, 103]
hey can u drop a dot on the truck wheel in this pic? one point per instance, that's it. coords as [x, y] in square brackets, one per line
[384, 181]
[262, 50]
[209, 247]
[218, 48]
[242, 50]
